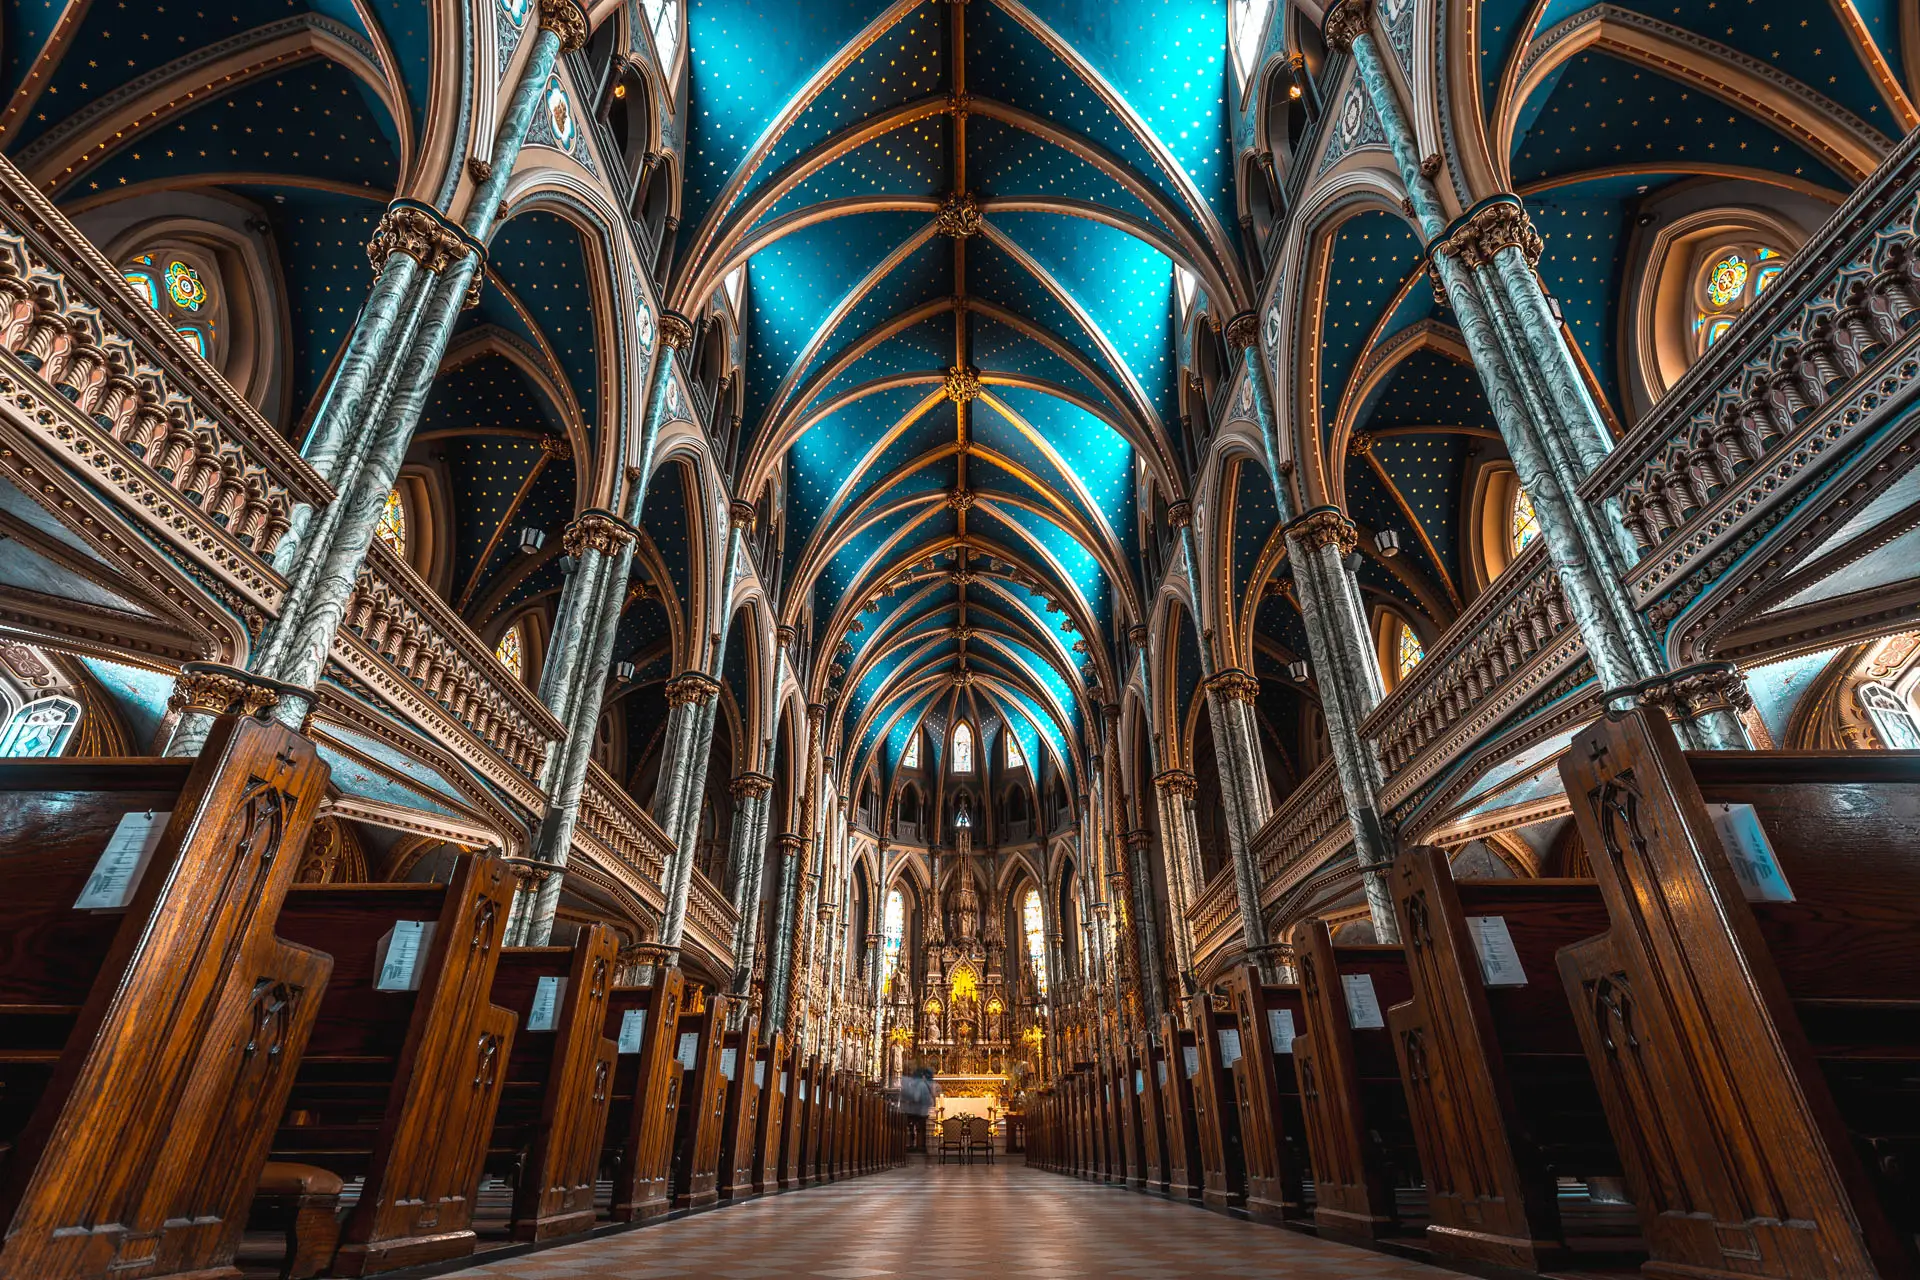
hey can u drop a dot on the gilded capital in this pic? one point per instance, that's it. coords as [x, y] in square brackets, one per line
[1347, 21]
[1325, 527]
[1177, 782]
[420, 233]
[1503, 224]
[1692, 692]
[962, 383]
[566, 19]
[1180, 514]
[691, 689]
[745, 786]
[959, 216]
[740, 513]
[1138, 635]
[1235, 685]
[791, 845]
[220, 690]
[676, 331]
[1242, 331]
[600, 531]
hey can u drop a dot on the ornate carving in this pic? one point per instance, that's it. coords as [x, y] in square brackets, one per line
[566, 19]
[676, 331]
[1177, 782]
[1325, 527]
[741, 514]
[960, 499]
[959, 216]
[1500, 225]
[221, 690]
[1691, 692]
[600, 531]
[691, 689]
[1138, 635]
[962, 383]
[556, 448]
[1361, 446]
[1347, 21]
[962, 679]
[1180, 514]
[1235, 685]
[419, 232]
[1243, 330]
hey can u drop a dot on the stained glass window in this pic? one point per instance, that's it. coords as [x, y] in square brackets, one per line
[1408, 651]
[512, 651]
[391, 527]
[893, 937]
[1893, 717]
[179, 291]
[1524, 523]
[1034, 926]
[911, 760]
[41, 728]
[1728, 280]
[1014, 759]
[963, 748]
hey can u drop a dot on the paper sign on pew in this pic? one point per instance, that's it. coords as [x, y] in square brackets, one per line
[547, 994]
[1750, 852]
[1499, 959]
[760, 1074]
[400, 961]
[1229, 1046]
[1139, 1082]
[1363, 1006]
[633, 1025]
[1280, 1029]
[687, 1052]
[1191, 1056]
[117, 873]
[727, 1057]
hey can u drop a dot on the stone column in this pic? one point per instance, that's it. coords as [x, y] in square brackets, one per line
[1179, 842]
[876, 1032]
[746, 860]
[790, 930]
[1347, 673]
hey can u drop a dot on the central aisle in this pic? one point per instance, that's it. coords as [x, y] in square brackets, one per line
[957, 1221]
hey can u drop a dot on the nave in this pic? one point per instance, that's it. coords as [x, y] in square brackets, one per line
[945, 1222]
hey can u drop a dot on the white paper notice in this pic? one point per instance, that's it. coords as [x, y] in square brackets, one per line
[1280, 1029]
[1191, 1056]
[783, 1082]
[1160, 1072]
[688, 1052]
[117, 873]
[1363, 1006]
[1751, 853]
[1139, 1082]
[1229, 1047]
[803, 1091]
[633, 1025]
[1499, 961]
[547, 994]
[727, 1057]
[402, 955]
[760, 1074]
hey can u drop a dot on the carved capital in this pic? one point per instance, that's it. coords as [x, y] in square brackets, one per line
[816, 712]
[959, 216]
[1235, 685]
[962, 383]
[676, 331]
[220, 690]
[1324, 527]
[1502, 224]
[691, 689]
[740, 513]
[745, 786]
[600, 531]
[1243, 331]
[566, 19]
[1138, 635]
[1180, 514]
[419, 232]
[786, 636]
[1692, 692]
[791, 845]
[1347, 21]
[1177, 782]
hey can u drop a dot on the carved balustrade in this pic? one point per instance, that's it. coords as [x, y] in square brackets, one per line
[622, 836]
[1309, 827]
[711, 918]
[1214, 920]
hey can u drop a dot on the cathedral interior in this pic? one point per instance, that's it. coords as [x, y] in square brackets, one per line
[616, 608]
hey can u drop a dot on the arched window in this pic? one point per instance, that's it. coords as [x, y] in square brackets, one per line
[1893, 717]
[1247, 29]
[911, 760]
[893, 935]
[1727, 280]
[1014, 759]
[1034, 926]
[391, 527]
[1523, 523]
[181, 290]
[41, 728]
[963, 748]
[663, 19]
[1407, 651]
[512, 651]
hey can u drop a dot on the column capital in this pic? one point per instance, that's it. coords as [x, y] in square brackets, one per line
[784, 636]
[1346, 22]
[691, 688]
[218, 690]
[1243, 331]
[1177, 782]
[1180, 513]
[1136, 838]
[1498, 223]
[566, 19]
[816, 712]
[791, 844]
[741, 513]
[745, 786]
[1324, 527]
[422, 233]
[1137, 633]
[1235, 685]
[600, 531]
[676, 331]
[1691, 692]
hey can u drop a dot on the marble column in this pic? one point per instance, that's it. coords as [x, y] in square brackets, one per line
[1179, 845]
[1347, 675]
[876, 1030]
[746, 860]
[796, 866]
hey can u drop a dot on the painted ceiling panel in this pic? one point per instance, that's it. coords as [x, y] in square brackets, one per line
[1582, 266]
[1430, 472]
[667, 522]
[1373, 253]
[927, 345]
[1254, 519]
[1427, 388]
[1503, 33]
[1004, 160]
[1083, 460]
[821, 465]
[1002, 348]
[908, 161]
[993, 275]
[925, 276]
[541, 258]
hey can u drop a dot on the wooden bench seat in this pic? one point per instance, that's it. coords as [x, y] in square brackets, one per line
[643, 1113]
[145, 1051]
[1186, 1176]
[746, 1082]
[1150, 1060]
[703, 1104]
[1502, 1099]
[1216, 1106]
[769, 1073]
[400, 1086]
[1267, 1090]
[1759, 1061]
[1358, 1126]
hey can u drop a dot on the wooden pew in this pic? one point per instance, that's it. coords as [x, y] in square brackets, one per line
[1267, 1089]
[145, 1052]
[1216, 1109]
[1758, 1060]
[807, 1154]
[1151, 1092]
[641, 1122]
[1497, 1082]
[552, 1119]
[769, 1073]
[1128, 1087]
[1181, 1061]
[1118, 1082]
[746, 1080]
[401, 1086]
[703, 1104]
[793, 1117]
[1355, 1106]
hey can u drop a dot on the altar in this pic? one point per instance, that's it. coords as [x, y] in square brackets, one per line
[969, 1095]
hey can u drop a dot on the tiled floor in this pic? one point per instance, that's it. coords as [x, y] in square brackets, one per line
[933, 1222]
